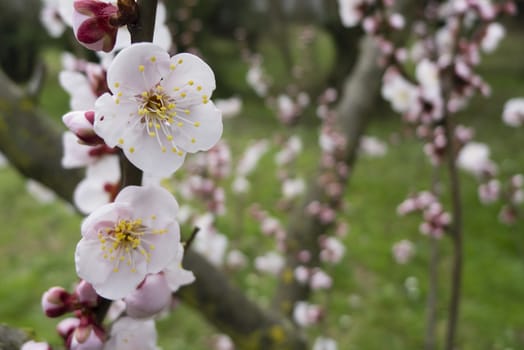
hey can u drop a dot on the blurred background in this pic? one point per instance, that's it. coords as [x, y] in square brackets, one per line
[300, 46]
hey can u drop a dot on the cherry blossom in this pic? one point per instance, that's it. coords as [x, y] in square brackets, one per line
[125, 240]
[271, 263]
[513, 114]
[398, 91]
[159, 109]
[474, 158]
[130, 334]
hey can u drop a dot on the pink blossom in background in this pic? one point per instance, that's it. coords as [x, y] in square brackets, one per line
[159, 109]
[513, 114]
[306, 314]
[474, 157]
[270, 263]
[403, 251]
[324, 343]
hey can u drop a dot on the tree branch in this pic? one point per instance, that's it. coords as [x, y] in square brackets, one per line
[359, 95]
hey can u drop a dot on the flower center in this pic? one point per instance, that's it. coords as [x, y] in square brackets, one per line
[124, 241]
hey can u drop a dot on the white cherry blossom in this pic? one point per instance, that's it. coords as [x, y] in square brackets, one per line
[159, 107]
[125, 240]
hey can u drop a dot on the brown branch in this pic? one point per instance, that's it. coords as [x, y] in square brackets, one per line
[359, 96]
[32, 141]
[11, 338]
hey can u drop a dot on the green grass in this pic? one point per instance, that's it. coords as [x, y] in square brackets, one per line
[37, 241]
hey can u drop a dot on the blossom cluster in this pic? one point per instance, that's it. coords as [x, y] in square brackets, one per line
[138, 105]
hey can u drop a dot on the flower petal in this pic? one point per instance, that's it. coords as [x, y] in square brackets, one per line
[113, 116]
[122, 283]
[165, 247]
[145, 153]
[190, 70]
[193, 138]
[137, 68]
[149, 201]
[89, 261]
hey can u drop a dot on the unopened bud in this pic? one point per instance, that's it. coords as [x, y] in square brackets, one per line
[56, 302]
[93, 23]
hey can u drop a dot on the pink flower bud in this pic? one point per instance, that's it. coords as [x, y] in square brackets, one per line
[81, 124]
[56, 302]
[86, 294]
[93, 25]
[150, 298]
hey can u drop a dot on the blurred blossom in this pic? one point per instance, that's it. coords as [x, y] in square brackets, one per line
[403, 251]
[513, 114]
[32, 345]
[40, 192]
[256, 78]
[271, 263]
[305, 314]
[131, 334]
[222, 342]
[489, 191]
[398, 91]
[249, 161]
[352, 11]
[240, 185]
[292, 188]
[474, 158]
[290, 151]
[494, 33]
[332, 250]
[236, 260]
[324, 343]
[230, 107]
[209, 242]
[372, 146]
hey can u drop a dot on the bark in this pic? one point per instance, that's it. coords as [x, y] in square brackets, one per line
[11, 338]
[32, 141]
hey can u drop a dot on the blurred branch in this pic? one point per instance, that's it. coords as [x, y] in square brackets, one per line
[33, 142]
[11, 338]
[359, 95]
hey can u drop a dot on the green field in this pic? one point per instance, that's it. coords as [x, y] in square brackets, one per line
[369, 306]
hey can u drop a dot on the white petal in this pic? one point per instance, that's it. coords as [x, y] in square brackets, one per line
[90, 195]
[191, 138]
[112, 118]
[90, 264]
[77, 85]
[145, 153]
[120, 284]
[165, 248]
[188, 68]
[150, 200]
[105, 216]
[137, 68]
